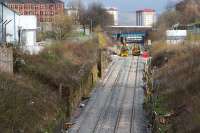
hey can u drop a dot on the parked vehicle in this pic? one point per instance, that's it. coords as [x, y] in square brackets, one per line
[136, 50]
[124, 51]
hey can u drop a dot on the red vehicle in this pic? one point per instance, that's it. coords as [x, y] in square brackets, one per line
[145, 54]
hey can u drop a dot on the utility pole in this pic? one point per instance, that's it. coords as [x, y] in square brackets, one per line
[4, 32]
[79, 10]
[91, 25]
[19, 34]
[6, 23]
[1, 27]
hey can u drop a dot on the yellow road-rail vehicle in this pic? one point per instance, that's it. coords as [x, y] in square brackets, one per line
[124, 51]
[136, 50]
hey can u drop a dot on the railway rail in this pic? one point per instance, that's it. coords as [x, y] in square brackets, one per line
[113, 105]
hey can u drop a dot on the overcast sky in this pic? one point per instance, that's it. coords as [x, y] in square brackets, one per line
[128, 7]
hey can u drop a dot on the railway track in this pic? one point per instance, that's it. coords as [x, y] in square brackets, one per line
[134, 95]
[114, 107]
[121, 104]
[114, 66]
[105, 110]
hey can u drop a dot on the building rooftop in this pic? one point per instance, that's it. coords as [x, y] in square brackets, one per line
[111, 9]
[31, 1]
[128, 26]
[146, 10]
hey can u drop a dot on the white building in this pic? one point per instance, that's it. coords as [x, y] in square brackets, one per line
[114, 12]
[73, 12]
[28, 28]
[146, 17]
[175, 36]
[18, 29]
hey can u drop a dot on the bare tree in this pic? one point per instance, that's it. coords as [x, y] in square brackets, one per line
[83, 17]
[190, 10]
[94, 16]
[98, 15]
[62, 27]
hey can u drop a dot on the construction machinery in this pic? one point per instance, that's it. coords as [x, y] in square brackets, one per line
[124, 51]
[136, 50]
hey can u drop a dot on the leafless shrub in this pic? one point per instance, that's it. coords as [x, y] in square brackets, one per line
[179, 83]
[31, 100]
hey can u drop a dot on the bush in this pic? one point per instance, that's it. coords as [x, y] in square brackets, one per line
[25, 106]
[43, 88]
[179, 83]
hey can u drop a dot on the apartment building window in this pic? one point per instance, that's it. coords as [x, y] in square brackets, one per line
[32, 6]
[47, 6]
[51, 7]
[42, 6]
[41, 19]
[51, 13]
[25, 7]
[36, 7]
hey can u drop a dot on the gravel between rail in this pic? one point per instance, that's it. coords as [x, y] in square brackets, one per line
[115, 105]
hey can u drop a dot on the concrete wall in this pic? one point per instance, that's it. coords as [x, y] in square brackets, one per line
[6, 59]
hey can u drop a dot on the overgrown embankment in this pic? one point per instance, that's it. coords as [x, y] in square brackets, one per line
[174, 97]
[47, 87]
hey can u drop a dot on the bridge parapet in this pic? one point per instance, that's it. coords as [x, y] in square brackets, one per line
[137, 34]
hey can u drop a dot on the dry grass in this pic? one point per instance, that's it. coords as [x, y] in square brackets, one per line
[30, 100]
[25, 105]
[178, 73]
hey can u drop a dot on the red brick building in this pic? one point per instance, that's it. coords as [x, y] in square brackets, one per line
[45, 10]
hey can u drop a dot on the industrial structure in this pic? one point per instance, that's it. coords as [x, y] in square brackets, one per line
[18, 29]
[146, 17]
[9, 21]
